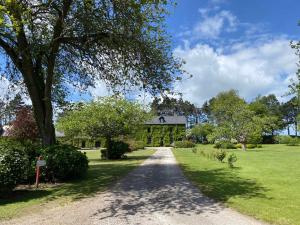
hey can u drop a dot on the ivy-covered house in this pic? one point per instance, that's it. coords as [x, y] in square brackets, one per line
[163, 130]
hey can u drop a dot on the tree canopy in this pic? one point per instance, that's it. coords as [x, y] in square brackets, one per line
[52, 45]
[107, 117]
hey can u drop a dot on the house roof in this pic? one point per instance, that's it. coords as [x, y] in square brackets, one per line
[161, 120]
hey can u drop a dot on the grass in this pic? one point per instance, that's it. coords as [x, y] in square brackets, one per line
[265, 183]
[101, 174]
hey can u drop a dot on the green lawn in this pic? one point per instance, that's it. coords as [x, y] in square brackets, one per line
[100, 175]
[265, 183]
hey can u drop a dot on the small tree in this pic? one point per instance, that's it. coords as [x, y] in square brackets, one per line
[107, 117]
[201, 131]
[235, 120]
[24, 127]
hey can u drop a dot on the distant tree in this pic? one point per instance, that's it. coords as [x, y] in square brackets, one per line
[201, 131]
[173, 106]
[108, 117]
[52, 45]
[269, 109]
[289, 112]
[225, 104]
[10, 108]
[294, 87]
[24, 127]
[234, 119]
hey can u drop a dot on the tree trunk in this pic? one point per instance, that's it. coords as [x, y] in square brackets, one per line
[244, 146]
[108, 143]
[296, 129]
[288, 130]
[42, 106]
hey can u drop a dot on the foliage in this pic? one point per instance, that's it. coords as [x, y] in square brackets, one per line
[133, 144]
[220, 155]
[235, 120]
[201, 131]
[117, 150]
[232, 158]
[249, 146]
[288, 140]
[100, 176]
[108, 117]
[52, 45]
[224, 145]
[14, 164]
[158, 135]
[269, 109]
[171, 106]
[64, 162]
[184, 144]
[24, 127]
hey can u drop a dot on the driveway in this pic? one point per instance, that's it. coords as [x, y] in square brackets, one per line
[156, 193]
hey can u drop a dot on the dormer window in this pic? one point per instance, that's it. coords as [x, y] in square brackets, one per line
[162, 119]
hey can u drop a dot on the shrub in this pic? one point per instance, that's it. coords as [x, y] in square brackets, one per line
[231, 159]
[293, 142]
[64, 162]
[288, 140]
[220, 155]
[14, 164]
[184, 144]
[103, 153]
[251, 146]
[117, 150]
[134, 144]
[224, 145]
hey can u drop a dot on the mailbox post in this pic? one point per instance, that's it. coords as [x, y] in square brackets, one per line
[40, 162]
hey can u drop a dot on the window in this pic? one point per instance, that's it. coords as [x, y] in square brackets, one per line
[83, 144]
[149, 140]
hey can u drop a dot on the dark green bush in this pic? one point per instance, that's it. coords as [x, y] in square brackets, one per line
[224, 145]
[288, 140]
[220, 155]
[14, 164]
[184, 144]
[64, 162]
[117, 149]
[231, 159]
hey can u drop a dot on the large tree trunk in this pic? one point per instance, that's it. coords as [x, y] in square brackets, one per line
[42, 106]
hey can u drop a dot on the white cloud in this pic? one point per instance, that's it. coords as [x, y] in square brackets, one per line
[260, 69]
[213, 26]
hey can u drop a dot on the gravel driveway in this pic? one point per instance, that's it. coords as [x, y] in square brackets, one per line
[156, 193]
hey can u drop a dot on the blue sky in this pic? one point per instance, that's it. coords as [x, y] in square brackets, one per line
[239, 44]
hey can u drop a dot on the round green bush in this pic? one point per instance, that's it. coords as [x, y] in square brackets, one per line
[64, 162]
[117, 149]
[224, 145]
[14, 164]
[184, 144]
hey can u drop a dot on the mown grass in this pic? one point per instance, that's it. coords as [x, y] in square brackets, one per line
[101, 174]
[265, 183]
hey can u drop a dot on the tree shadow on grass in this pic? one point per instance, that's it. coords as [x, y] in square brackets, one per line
[223, 183]
[160, 188]
[99, 177]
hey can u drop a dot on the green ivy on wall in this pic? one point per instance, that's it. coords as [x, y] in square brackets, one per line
[161, 135]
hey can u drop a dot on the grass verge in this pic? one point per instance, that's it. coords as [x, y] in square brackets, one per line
[264, 183]
[101, 174]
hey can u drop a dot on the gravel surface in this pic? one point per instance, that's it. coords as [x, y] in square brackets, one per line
[156, 193]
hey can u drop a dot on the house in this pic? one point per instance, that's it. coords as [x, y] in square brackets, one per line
[164, 130]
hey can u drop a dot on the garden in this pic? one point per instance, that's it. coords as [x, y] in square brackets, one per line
[261, 183]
